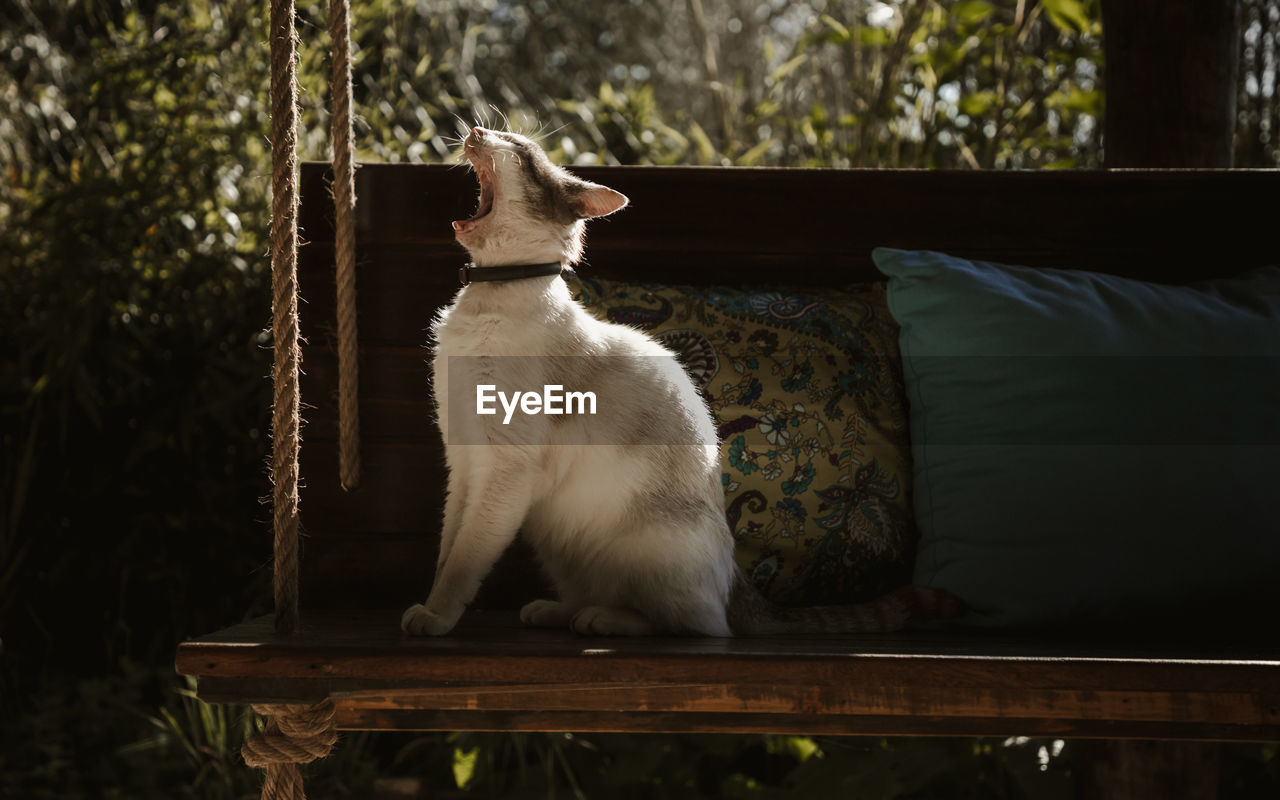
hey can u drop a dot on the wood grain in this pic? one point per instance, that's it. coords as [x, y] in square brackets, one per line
[761, 227]
[1171, 82]
[356, 718]
[495, 668]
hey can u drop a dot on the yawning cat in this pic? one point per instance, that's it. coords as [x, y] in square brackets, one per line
[625, 509]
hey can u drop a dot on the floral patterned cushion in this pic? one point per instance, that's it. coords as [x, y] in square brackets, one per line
[807, 391]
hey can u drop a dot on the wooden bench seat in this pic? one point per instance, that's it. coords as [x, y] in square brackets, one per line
[493, 673]
[370, 552]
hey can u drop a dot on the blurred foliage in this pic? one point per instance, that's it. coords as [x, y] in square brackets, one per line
[132, 291]
[133, 295]
[132, 399]
[1257, 141]
[759, 766]
[920, 83]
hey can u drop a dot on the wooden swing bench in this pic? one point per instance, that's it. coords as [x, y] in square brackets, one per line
[370, 552]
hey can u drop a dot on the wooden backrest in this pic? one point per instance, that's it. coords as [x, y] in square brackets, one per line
[376, 546]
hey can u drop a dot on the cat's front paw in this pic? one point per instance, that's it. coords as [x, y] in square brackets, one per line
[609, 621]
[546, 614]
[418, 620]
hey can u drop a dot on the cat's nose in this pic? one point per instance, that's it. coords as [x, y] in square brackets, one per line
[478, 133]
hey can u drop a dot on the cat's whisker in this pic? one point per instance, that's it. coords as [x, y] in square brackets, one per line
[541, 135]
[537, 135]
[506, 122]
[463, 128]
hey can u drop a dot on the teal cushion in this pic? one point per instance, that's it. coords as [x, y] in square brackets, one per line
[1088, 447]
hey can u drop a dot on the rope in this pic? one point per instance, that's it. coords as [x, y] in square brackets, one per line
[344, 200]
[295, 734]
[284, 308]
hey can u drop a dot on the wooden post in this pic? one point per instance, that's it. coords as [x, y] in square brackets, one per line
[1170, 79]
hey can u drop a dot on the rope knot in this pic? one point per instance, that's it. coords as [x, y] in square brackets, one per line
[295, 734]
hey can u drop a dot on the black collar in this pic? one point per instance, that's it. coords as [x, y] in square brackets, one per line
[473, 274]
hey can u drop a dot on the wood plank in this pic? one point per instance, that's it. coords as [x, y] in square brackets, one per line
[354, 718]
[398, 290]
[353, 636]
[396, 402]
[362, 569]
[801, 227]
[980, 684]
[354, 715]
[401, 488]
[824, 211]
[942, 701]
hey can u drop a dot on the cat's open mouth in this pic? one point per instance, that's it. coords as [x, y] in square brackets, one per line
[484, 174]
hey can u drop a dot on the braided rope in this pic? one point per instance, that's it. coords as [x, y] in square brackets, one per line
[295, 734]
[284, 308]
[344, 201]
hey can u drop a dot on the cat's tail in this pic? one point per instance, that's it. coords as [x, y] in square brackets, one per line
[750, 614]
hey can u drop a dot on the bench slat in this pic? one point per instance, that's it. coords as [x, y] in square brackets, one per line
[495, 672]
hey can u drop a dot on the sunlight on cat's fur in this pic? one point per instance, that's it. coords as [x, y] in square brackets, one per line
[633, 536]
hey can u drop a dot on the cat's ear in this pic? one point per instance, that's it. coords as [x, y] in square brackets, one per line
[593, 200]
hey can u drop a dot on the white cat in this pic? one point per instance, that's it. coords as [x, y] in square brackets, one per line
[632, 535]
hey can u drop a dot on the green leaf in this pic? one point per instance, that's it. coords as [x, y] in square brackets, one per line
[464, 765]
[978, 103]
[837, 27]
[874, 37]
[702, 142]
[1077, 100]
[786, 69]
[972, 12]
[753, 156]
[1067, 15]
[802, 747]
